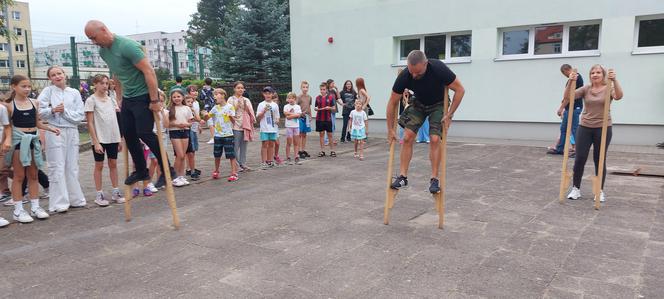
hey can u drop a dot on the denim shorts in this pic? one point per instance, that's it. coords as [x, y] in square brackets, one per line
[269, 136]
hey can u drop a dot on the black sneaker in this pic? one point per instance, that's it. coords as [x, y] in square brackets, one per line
[400, 181]
[187, 172]
[343, 140]
[195, 176]
[306, 155]
[301, 155]
[197, 171]
[161, 182]
[136, 176]
[434, 186]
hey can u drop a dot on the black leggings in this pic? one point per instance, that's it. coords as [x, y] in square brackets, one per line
[138, 122]
[585, 137]
[43, 181]
[344, 131]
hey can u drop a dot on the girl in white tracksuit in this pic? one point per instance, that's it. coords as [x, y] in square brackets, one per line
[62, 108]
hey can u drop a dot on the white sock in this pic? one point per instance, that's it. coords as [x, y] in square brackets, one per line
[100, 191]
[116, 190]
[18, 207]
[34, 203]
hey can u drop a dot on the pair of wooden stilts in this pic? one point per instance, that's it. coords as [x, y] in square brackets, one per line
[439, 198]
[567, 174]
[170, 194]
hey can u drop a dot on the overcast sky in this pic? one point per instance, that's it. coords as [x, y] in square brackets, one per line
[54, 20]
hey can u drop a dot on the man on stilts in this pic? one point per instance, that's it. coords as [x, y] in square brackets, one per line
[427, 79]
[137, 83]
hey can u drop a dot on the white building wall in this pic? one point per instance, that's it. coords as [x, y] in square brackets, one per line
[504, 99]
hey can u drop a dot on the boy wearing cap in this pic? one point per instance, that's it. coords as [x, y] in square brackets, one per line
[268, 115]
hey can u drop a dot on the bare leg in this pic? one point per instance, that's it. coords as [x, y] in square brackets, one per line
[322, 141]
[434, 154]
[99, 166]
[406, 151]
[217, 161]
[112, 172]
[270, 150]
[289, 141]
[264, 151]
[233, 167]
[330, 138]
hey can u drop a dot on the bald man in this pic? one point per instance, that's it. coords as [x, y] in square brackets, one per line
[136, 83]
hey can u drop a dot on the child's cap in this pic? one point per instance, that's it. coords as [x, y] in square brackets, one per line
[268, 89]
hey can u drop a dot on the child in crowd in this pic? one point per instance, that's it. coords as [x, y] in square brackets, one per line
[277, 159]
[26, 159]
[325, 104]
[179, 124]
[105, 135]
[304, 101]
[292, 111]
[268, 115]
[6, 145]
[195, 107]
[223, 117]
[357, 128]
[154, 163]
[243, 124]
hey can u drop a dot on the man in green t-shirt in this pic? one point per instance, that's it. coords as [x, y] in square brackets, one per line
[136, 83]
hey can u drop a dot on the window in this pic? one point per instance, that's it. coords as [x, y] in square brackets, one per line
[450, 47]
[551, 40]
[649, 34]
[4, 63]
[5, 80]
[16, 15]
[18, 31]
[19, 48]
[3, 46]
[20, 63]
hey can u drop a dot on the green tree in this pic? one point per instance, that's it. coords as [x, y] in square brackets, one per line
[163, 74]
[257, 43]
[4, 30]
[208, 25]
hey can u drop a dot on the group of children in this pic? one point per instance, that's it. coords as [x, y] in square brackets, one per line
[231, 120]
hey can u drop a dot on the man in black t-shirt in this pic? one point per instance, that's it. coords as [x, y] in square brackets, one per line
[427, 79]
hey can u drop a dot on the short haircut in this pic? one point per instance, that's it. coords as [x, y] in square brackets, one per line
[416, 57]
[208, 81]
[565, 67]
[192, 87]
[99, 78]
[304, 83]
[220, 91]
[291, 95]
[323, 84]
[178, 79]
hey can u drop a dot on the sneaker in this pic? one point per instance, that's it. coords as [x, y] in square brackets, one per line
[23, 217]
[399, 182]
[211, 141]
[264, 166]
[297, 161]
[245, 168]
[147, 192]
[39, 213]
[136, 176]
[152, 188]
[343, 140]
[306, 155]
[101, 200]
[197, 171]
[278, 160]
[117, 197]
[574, 194]
[3, 222]
[215, 175]
[300, 154]
[5, 197]
[177, 182]
[187, 172]
[195, 176]
[553, 151]
[271, 164]
[434, 186]
[602, 198]
[232, 178]
[135, 192]
[161, 182]
[289, 161]
[184, 180]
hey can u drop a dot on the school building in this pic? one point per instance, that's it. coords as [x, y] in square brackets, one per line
[507, 54]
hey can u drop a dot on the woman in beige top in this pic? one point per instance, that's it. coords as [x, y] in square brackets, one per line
[590, 128]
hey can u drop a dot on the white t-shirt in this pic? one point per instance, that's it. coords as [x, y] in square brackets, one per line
[182, 115]
[358, 119]
[293, 122]
[164, 114]
[4, 120]
[270, 121]
[196, 108]
[221, 116]
[106, 121]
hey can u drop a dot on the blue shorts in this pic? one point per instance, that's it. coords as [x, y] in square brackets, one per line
[268, 136]
[304, 126]
[224, 144]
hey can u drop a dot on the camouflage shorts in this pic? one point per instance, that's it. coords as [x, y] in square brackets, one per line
[414, 115]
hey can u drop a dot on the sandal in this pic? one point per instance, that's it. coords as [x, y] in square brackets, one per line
[333, 154]
[321, 154]
[355, 155]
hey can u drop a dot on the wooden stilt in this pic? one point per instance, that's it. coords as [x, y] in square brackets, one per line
[566, 175]
[597, 180]
[127, 189]
[170, 194]
[442, 171]
[389, 192]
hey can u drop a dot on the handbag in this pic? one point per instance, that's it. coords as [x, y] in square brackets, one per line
[369, 110]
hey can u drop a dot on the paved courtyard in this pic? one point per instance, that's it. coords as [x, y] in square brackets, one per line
[316, 231]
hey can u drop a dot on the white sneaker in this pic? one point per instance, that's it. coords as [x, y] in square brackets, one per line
[574, 194]
[39, 213]
[177, 182]
[101, 200]
[23, 217]
[601, 196]
[184, 180]
[3, 222]
[117, 197]
[152, 188]
[211, 141]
